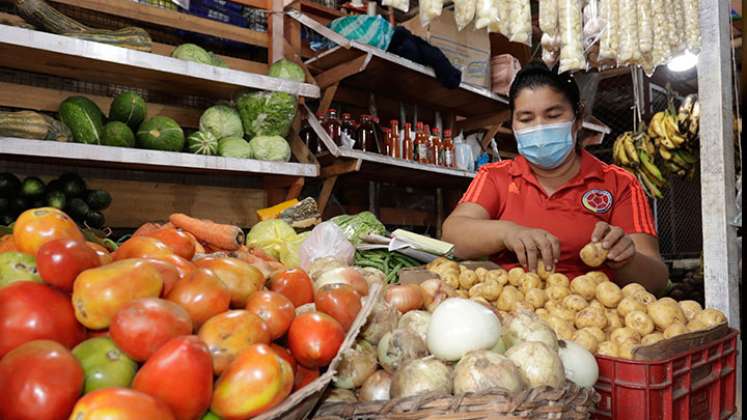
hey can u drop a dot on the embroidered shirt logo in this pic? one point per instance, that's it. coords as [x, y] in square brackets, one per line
[513, 188]
[597, 201]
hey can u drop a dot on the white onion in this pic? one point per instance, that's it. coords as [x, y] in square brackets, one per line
[539, 364]
[421, 376]
[482, 370]
[526, 326]
[340, 395]
[417, 321]
[399, 347]
[384, 318]
[459, 326]
[356, 365]
[376, 387]
[320, 265]
[579, 364]
[344, 275]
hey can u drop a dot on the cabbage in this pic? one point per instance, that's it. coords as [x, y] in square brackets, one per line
[267, 113]
[270, 148]
[290, 256]
[222, 121]
[234, 147]
[272, 236]
[288, 70]
[192, 52]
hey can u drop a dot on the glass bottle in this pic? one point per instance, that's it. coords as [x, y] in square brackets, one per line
[437, 148]
[449, 154]
[387, 141]
[347, 127]
[408, 147]
[394, 146]
[421, 144]
[366, 135]
[379, 134]
[333, 126]
[309, 137]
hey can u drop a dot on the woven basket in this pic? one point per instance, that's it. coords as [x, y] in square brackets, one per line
[569, 402]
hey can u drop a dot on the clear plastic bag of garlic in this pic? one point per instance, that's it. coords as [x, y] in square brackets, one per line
[464, 12]
[645, 29]
[571, 36]
[430, 9]
[593, 26]
[520, 22]
[676, 11]
[548, 17]
[609, 41]
[550, 49]
[403, 5]
[486, 13]
[502, 23]
[628, 53]
[662, 51]
[692, 25]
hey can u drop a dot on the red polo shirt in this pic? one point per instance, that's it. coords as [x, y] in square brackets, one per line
[508, 190]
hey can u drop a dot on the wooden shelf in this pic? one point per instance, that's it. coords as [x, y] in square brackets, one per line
[41, 52]
[140, 159]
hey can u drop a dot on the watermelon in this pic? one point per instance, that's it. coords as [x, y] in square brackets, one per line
[160, 133]
[117, 133]
[129, 108]
[202, 143]
[84, 118]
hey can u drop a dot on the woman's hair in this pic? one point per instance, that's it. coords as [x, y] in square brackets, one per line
[536, 74]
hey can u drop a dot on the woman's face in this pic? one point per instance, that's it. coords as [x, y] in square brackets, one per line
[540, 105]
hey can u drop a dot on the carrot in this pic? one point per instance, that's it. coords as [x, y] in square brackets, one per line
[146, 228]
[216, 235]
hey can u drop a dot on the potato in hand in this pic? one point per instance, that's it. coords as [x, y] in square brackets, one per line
[593, 254]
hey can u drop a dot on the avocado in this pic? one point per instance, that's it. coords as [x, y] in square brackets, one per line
[9, 184]
[56, 199]
[95, 219]
[32, 188]
[55, 185]
[77, 209]
[18, 205]
[98, 199]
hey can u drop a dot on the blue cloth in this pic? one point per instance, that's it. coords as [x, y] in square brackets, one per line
[370, 30]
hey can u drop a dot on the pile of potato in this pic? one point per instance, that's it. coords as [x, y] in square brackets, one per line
[590, 310]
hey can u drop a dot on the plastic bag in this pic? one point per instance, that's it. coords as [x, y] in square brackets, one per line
[550, 49]
[502, 24]
[628, 53]
[326, 240]
[609, 43]
[548, 17]
[486, 14]
[645, 30]
[662, 51]
[692, 25]
[520, 26]
[403, 5]
[677, 26]
[571, 36]
[592, 31]
[464, 12]
[430, 9]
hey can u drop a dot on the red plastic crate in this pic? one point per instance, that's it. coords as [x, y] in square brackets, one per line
[698, 384]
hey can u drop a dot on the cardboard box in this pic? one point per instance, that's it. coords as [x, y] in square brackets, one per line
[468, 50]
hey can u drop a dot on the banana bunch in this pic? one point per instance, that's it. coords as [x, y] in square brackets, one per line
[636, 153]
[676, 137]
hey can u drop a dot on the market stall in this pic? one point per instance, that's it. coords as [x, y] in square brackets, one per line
[233, 209]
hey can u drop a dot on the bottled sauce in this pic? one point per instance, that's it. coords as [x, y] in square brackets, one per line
[393, 145]
[333, 127]
[367, 135]
[437, 148]
[387, 141]
[347, 127]
[408, 146]
[309, 138]
[380, 142]
[422, 149]
[448, 150]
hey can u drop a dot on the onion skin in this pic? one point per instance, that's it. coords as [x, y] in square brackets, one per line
[434, 292]
[384, 318]
[405, 297]
[421, 376]
[340, 395]
[376, 387]
[416, 321]
[539, 364]
[482, 370]
[356, 365]
[398, 347]
[344, 275]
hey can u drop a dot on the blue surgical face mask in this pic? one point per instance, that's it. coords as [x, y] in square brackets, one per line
[546, 145]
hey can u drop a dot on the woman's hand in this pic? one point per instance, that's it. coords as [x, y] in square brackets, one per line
[620, 246]
[530, 245]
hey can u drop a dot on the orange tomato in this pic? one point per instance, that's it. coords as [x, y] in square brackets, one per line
[121, 404]
[183, 266]
[256, 381]
[295, 284]
[104, 255]
[7, 244]
[179, 242]
[314, 339]
[202, 295]
[240, 278]
[275, 309]
[36, 227]
[169, 274]
[142, 247]
[230, 333]
[340, 301]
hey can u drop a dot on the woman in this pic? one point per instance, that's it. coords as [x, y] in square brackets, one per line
[554, 198]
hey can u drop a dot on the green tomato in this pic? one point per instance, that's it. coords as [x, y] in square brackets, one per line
[210, 416]
[17, 266]
[104, 364]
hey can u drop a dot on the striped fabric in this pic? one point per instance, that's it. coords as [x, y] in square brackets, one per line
[371, 30]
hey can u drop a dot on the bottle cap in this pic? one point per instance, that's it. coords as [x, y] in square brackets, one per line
[447, 132]
[346, 115]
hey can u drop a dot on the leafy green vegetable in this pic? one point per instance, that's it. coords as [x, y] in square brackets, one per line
[222, 121]
[192, 52]
[272, 236]
[289, 256]
[273, 148]
[267, 113]
[288, 70]
[234, 147]
[359, 225]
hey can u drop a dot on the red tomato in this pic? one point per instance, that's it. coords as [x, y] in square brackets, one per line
[39, 380]
[314, 339]
[202, 295]
[105, 257]
[183, 267]
[275, 309]
[120, 404]
[340, 301]
[286, 355]
[295, 284]
[60, 261]
[230, 333]
[33, 311]
[241, 278]
[169, 274]
[180, 374]
[179, 242]
[142, 247]
[36, 227]
[303, 377]
[257, 380]
[142, 326]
